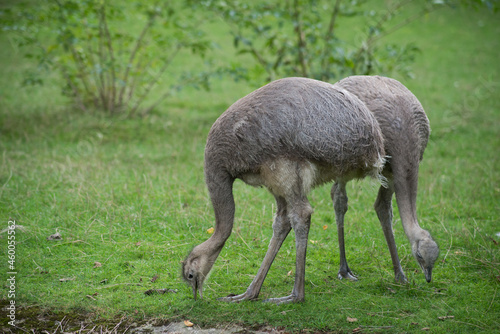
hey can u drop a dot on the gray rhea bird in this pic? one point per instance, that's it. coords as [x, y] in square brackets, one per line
[289, 136]
[406, 130]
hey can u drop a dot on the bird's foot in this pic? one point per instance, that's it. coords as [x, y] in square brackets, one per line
[347, 274]
[238, 298]
[284, 300]
[400, 278]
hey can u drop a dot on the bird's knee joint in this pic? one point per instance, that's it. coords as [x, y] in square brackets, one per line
[301, 228]
[302, 217]
[341, 206]
[281, 225]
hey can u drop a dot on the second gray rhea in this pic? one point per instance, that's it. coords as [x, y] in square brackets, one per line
[406, 131]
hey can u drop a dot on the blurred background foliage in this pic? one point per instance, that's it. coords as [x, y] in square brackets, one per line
[112, 56]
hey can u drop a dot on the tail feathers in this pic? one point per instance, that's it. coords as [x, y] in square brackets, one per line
[378, 167]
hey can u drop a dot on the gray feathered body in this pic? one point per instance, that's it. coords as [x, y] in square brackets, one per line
[295, 126]
[401, 117]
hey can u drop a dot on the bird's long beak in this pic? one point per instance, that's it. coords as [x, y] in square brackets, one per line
[428, 274]
[197, 288]
[194, 290]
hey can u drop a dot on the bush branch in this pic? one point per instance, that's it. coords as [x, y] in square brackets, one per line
[109, 45]
[301, 42]
[137, 47]
[155, 79]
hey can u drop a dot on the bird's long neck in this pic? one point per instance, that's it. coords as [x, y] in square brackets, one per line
[406, 197]
[408, 219]
[223, 228]
[221, 194]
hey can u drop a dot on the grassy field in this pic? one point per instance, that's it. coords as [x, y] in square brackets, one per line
[129, 200]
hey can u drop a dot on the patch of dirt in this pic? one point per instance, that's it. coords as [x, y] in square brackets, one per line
[34, 319]
[181, 328]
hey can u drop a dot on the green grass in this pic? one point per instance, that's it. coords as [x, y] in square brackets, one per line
[130, 194]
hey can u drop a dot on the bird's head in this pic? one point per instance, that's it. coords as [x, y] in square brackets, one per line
[426, 252]
[196, 266]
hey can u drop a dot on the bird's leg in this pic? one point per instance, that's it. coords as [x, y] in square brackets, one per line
[299, 213]
[281, 228]
[383, 207]
[339, 197]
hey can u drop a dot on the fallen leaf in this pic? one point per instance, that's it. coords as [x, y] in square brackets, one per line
[97, 264]
[349, 319]
[446, 317]
[66, 279]
[325, 227]
[391, 290]
[426, 328]
[90, 297]
[154, 278]
[55, 236]
[210, 230]
[188, 323]
[357, 330]
[289, 273]
[138, 243]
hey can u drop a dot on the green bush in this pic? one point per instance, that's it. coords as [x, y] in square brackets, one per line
[300, 38]
[103, 65]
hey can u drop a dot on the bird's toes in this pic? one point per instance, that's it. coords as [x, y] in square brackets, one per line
[232, 298]
[401, 278]
[284, 300]
[347, 275]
